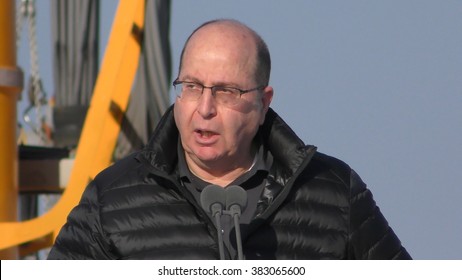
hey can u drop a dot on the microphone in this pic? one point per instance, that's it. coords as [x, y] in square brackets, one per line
[213, 200]
[236, 202]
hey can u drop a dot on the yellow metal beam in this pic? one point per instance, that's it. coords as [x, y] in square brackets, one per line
[101, 127]
[10, 87]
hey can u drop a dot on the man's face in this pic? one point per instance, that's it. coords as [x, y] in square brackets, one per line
[213, 134]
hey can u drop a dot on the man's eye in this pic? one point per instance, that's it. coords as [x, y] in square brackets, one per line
[225, 91]
[189, 86]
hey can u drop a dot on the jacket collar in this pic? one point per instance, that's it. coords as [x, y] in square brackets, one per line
[287, 148]
[161, 150]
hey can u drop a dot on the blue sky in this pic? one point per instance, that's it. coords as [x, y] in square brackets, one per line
[377, 84]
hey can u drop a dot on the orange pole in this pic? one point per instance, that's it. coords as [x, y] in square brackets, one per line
[10, 87]
[101, 127]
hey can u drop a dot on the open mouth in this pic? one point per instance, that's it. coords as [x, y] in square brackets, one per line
[205, 133]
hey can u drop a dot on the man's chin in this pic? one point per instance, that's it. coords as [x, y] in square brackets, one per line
[206, 155]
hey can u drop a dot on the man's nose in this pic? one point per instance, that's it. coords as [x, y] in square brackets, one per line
[207, 104]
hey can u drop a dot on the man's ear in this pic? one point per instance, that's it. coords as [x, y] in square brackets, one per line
[266, 99]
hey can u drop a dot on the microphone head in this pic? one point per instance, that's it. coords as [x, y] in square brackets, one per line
[236, 195]
[213, 195]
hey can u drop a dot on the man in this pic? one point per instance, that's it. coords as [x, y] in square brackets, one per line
[301, 204]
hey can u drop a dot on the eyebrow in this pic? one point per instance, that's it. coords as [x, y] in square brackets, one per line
[188, 78]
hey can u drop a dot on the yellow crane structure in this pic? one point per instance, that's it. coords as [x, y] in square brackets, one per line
[98, 137]
[10, 87]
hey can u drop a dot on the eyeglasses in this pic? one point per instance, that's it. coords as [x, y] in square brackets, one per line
[227, 96]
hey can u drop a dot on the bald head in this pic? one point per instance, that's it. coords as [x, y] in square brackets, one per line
[238, 38]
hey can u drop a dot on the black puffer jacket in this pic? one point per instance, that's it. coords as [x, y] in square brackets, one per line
[314, 207]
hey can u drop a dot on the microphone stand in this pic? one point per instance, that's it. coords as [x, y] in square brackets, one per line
[213, 198]
[216, 209]
[236, 213]
[236, 202]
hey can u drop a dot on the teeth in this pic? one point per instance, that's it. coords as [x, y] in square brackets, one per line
[206, 133]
